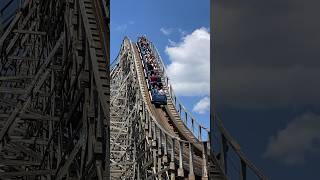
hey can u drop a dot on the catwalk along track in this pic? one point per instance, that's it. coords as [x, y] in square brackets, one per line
[152, 141]
[54, 90]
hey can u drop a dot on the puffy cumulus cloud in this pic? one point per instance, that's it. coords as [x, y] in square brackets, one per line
[300, 137]
[189, 69]
[166, 31]
[202, 106]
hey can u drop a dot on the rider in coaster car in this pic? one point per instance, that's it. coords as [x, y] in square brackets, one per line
[150, 67]
[159, 78]
[161, 91]
[155, 69]
[150, 61]
[153, 79]
[154, 90]
[152, 56]
[149, 74]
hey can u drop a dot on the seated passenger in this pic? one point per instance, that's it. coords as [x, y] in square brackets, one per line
[150, 67]
[159, 78]
[151, 62]
[154, 90]
[156, 72]
[150, 72]
[153, 79]
[161, 92]
[159, 97]
[155, 68]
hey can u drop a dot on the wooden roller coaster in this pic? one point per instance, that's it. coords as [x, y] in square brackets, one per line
[148, 142]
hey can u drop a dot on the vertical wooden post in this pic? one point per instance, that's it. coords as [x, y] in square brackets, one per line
[200, 134]
[160, 143]
[154, 134]
[154, 153]
[154, 144]
[172, 165]
[186, 115]
[159, 167]
[191, 172]
[159, 153]
[150, 127]
[165, 157]
[180, 169]
[192, 125]
[204, 161]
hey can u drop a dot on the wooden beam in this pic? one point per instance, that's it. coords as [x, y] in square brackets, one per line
[29, 32]
[26, 173]
[7, 162]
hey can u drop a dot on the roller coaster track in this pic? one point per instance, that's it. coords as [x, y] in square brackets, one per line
[54, 91]
[148, 142]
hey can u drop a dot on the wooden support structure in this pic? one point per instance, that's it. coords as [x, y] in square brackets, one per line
[54, 95]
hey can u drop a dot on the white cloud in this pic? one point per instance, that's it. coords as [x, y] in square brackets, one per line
[300, 137]
[182, 32]
[172, 43]
[189, 70]
[121, 27]
[202, 106]
[166, 31]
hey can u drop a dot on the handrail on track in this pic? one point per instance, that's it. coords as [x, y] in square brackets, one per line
[226, 139]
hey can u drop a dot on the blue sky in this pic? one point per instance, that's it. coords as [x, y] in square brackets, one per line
[166, 23]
